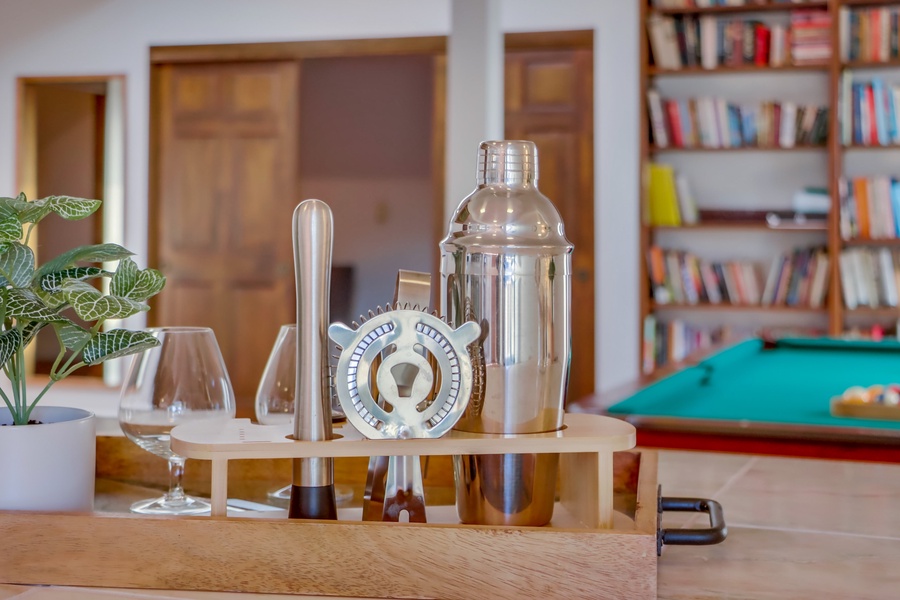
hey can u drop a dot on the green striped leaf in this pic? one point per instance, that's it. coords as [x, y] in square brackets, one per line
[93, 254]
[130, 282]
[72, 335]
[71, 208]
[9, 343]
[51, 282]
[116, 343]
[25, 305]
[16, 265]
[92, 305]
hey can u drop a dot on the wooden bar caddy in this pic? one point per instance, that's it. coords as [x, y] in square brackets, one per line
[602, 541]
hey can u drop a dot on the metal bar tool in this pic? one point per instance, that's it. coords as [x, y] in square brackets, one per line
[312, 491]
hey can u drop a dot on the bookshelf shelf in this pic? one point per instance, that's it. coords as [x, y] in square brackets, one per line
[880, 313]
[743, 8]
[865, 3]
[749, 69]
[868, 242]
[871, 64]
[738, 307]
[798, 148]
[748, 225]
[869, 147]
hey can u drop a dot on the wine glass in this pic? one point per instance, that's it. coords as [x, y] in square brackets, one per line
[275, 397]
[275, 394]
[182, 380]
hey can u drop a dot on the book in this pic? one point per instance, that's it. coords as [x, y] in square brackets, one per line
[657, 119]
[662, 195]
[848, 281]
[686, 202]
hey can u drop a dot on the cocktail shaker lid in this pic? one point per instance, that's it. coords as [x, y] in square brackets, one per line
[507, 211]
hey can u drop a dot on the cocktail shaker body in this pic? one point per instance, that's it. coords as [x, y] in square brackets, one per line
[506, 263]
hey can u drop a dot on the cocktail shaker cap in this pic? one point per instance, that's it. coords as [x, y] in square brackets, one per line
[507, 211]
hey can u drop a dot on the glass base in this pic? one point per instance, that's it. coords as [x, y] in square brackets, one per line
[342, 494]
[160, 506]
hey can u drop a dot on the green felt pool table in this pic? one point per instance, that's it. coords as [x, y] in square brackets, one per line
[772, 397]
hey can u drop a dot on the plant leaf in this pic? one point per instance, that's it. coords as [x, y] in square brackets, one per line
[71, 208]
[17, 263]
[72, 335]
[25, 305]
[9, 343]
[131, 282]
[31, 330]
[92, 305]
[34, 211]
[96, 253]
[51, 282]
[116, 343]
[10, 229]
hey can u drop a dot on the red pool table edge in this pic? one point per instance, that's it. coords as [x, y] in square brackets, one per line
[771, 446]
[772, 440]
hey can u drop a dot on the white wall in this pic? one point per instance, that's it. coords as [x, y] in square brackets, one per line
[77, 37]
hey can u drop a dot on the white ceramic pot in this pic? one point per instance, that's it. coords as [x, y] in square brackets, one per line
[49, 466]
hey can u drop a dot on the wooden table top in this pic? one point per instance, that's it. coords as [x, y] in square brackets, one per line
[798, 528]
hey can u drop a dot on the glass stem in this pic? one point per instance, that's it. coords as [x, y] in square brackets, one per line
[175, 495]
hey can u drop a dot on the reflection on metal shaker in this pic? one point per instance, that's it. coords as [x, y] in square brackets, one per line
[506, 263]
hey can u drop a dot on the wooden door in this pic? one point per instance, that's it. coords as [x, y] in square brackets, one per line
[549, 100]
[223, 203]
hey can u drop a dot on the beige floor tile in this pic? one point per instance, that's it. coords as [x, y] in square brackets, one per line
[681, 475]
[10, 591]
[782, 565]
[819, 495]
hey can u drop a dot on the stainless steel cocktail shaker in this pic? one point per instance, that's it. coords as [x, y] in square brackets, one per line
[506, 263]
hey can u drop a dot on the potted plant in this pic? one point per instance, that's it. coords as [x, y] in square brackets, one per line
[48, 452]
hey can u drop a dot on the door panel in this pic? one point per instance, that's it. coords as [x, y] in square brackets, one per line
[227, 151]
[549, 100]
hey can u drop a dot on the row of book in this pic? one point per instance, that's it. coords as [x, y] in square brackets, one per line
[870, 112]
[799, 278]
[870, 277]
[710, 42]
[870, 207]
[671, 342]
[870, 34]
[716, 123]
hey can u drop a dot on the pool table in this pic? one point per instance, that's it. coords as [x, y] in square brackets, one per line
[770, 397]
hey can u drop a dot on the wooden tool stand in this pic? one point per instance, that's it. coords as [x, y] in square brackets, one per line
[602, 542]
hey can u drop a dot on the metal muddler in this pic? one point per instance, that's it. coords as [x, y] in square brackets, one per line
[312, 492]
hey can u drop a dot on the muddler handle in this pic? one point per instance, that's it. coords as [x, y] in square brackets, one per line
[312, 492]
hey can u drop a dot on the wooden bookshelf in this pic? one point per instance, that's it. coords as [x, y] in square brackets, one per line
[834, 151]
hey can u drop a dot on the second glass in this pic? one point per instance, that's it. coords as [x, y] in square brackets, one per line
[275, 397]
[182, 380]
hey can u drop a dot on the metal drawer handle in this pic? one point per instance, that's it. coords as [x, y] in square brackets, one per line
[714, 534]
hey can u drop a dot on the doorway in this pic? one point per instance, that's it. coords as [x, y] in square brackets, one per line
[71, 142]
